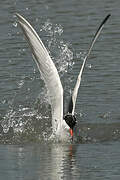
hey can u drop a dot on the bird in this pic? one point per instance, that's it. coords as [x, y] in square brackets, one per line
[62, 125]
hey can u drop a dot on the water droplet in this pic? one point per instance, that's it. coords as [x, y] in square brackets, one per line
[15, 24]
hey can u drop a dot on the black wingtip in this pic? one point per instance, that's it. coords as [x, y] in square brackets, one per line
[106, 18]
[102, 24]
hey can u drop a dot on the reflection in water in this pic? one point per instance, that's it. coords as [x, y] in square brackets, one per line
[60, 161]
[55, 161]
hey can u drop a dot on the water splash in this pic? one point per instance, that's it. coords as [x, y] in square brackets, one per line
[58, 49]
[32, 121]
[15, 24]
[29, 119]
[51, 29]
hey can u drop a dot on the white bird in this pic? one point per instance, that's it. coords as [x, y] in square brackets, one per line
[60, 124]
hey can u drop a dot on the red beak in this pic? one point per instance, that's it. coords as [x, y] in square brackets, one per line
[71, 132]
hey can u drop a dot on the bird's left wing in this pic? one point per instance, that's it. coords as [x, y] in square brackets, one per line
[47, 70]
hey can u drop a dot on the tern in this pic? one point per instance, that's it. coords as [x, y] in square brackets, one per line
[62, 125]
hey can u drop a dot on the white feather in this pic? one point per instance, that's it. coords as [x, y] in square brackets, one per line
[48, 72]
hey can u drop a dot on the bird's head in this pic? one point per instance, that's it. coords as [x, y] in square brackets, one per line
[71, 121]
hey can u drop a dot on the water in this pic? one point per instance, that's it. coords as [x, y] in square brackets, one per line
[66, 28]
[60, 161]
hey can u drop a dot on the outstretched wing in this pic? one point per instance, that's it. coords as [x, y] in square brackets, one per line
[75, 91]
[47, 70]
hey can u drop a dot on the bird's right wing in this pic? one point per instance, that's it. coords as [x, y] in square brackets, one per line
[72, 103]
[47, 70]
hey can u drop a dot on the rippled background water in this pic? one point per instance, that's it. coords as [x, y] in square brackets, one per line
[66, 28]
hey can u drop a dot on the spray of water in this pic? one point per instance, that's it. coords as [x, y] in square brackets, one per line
[32, 121]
